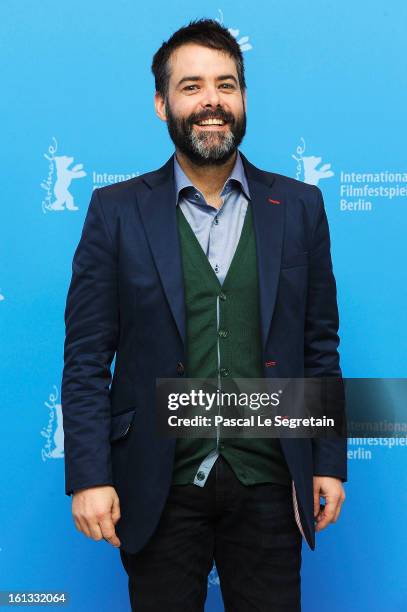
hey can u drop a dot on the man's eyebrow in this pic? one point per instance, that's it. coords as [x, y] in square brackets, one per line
[222, 77]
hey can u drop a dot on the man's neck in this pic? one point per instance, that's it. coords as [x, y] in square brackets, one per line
[208, 179]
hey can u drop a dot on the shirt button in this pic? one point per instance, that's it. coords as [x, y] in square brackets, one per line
[223, 333]
[216, 268]
[216, 221]
[201, 475]
[197, 196]
[224, 372]
[222, 296]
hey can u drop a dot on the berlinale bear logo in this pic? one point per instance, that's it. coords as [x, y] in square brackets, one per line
[58, 197]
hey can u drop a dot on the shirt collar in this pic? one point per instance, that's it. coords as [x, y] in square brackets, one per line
[237, 174]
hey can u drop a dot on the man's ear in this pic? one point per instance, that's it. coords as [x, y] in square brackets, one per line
[159, 104]
[244, 100]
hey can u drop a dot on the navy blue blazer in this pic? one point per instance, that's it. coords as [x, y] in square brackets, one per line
[126, 298]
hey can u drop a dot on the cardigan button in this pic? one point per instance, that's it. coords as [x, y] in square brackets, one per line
[222, 296]
[180, 368]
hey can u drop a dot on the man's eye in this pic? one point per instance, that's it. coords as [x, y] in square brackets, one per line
[228, 85]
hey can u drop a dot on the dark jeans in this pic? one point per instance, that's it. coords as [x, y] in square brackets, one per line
[249, 531]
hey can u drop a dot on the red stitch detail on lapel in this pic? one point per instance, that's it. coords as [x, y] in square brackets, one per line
[274, 201]
[270, 364]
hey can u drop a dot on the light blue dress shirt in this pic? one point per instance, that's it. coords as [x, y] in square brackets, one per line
[218, 232]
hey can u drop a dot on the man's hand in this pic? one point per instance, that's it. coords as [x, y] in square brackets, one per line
[96, 511]
[332, 490]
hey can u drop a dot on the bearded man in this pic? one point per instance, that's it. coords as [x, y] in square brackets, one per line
[205, 268]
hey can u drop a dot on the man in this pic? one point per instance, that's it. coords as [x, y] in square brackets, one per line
[206, 267]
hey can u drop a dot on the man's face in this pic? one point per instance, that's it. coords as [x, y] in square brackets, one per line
[204, 86]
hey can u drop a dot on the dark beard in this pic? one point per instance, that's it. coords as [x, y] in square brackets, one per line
[206, 148]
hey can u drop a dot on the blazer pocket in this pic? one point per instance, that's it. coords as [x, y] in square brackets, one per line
[298, 259]
[120, 424]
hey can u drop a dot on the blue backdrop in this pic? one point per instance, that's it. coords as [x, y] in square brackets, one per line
[327, 102]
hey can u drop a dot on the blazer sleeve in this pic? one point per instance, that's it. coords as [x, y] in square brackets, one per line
[91, 338]
[321, 340]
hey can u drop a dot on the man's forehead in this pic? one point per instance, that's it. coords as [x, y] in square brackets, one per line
[192, 59]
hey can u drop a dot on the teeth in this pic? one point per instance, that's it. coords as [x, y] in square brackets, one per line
[211, 122]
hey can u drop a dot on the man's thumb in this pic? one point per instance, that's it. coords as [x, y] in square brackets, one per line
[116, 509]
[316, 502]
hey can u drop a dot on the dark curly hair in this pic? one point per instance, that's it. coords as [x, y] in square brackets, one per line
[206, 32]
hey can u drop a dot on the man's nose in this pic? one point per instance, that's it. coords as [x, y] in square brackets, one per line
[211, 97]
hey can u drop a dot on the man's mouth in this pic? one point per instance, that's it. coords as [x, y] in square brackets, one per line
[212, 124]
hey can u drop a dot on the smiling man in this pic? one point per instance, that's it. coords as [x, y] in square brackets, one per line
[207, 268]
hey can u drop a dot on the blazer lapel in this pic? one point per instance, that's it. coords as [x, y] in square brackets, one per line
[158, 212]
[268, 220]
[158, 215]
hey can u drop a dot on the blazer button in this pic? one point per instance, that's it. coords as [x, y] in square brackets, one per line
[180, 368]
